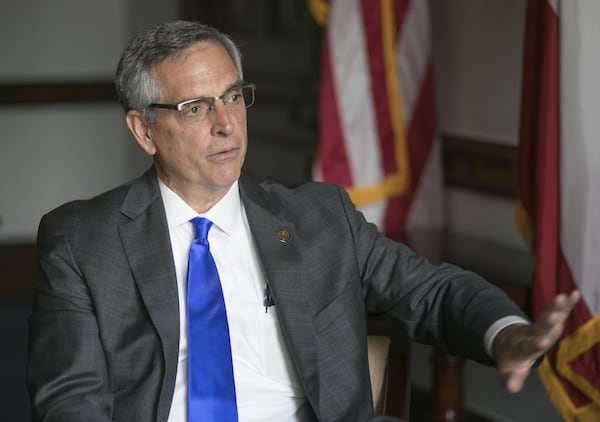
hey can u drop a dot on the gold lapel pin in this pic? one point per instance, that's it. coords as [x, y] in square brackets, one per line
[283, 235]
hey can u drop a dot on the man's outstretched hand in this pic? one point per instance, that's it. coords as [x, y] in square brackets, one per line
[517, 346]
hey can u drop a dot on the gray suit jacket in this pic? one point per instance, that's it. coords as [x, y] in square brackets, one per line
[105, 325]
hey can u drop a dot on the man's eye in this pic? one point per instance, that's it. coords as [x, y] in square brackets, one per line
[191, 110]
[195, 109]
[234, 98]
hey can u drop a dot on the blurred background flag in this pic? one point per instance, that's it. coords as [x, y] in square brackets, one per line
[559, 208]
[377, 117]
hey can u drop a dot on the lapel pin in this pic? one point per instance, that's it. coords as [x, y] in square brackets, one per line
[283, 235]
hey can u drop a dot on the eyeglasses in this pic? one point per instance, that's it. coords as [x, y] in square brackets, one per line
[235, 98]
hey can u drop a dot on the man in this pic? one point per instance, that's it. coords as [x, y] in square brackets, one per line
[109, 330]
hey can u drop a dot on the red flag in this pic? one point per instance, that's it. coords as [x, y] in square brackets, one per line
[559, 201]
[377, 128]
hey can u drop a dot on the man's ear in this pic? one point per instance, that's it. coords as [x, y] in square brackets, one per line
[141, 131]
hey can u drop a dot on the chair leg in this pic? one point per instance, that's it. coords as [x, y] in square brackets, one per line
[448, 388]
[399, 387]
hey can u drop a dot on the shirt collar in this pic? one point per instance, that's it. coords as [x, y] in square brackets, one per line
[224, 214]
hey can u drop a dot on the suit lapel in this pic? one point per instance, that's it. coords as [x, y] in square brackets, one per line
[284, 270]
[146, 242]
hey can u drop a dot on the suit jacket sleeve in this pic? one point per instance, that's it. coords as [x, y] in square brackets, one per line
[443, 305]
[67, 374]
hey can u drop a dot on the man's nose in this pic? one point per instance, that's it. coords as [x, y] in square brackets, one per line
[222, 118]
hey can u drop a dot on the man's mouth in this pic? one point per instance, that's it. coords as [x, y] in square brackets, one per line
[225, 154]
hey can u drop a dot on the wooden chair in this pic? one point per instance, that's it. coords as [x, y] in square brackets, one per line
[389, 368]
[379, 354]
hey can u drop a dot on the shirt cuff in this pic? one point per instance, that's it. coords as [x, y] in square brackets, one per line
[496, 327]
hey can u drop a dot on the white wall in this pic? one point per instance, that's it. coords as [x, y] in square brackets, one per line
[478, 49]
[53, 153]
[60, 39]
[478, 57]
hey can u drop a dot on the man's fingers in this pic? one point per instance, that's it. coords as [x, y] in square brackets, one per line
[574, 298]
[553, 317]
[515, 378]
[563, 304]
[514, 384]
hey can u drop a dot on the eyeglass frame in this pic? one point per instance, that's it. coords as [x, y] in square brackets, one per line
[211, 100]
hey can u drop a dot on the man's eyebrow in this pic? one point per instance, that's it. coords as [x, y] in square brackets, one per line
[229, 87]
[235, 84]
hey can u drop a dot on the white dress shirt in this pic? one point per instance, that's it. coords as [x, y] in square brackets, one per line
[266, 383]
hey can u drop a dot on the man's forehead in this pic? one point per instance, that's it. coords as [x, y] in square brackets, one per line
[182, 56]
[202, 69]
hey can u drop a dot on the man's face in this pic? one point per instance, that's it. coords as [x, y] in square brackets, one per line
[198, 156]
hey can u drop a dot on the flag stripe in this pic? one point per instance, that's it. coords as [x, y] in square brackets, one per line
[424, 201]
[400, 11]
[371, 12]
[421, 138]
[331, 146]
[413, 55]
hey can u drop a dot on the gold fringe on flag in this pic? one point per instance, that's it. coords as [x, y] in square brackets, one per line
[572, 347]
[319, 9]
[560, 398]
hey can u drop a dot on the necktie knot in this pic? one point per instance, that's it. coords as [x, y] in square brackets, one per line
[201, 227]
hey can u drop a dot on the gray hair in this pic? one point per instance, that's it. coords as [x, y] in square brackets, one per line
[136, 88]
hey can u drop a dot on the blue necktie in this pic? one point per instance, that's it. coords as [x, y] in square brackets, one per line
[211, 390]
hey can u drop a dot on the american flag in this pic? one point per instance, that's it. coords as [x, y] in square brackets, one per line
[377, 117]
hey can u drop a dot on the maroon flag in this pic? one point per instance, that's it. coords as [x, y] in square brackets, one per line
[559, 210]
